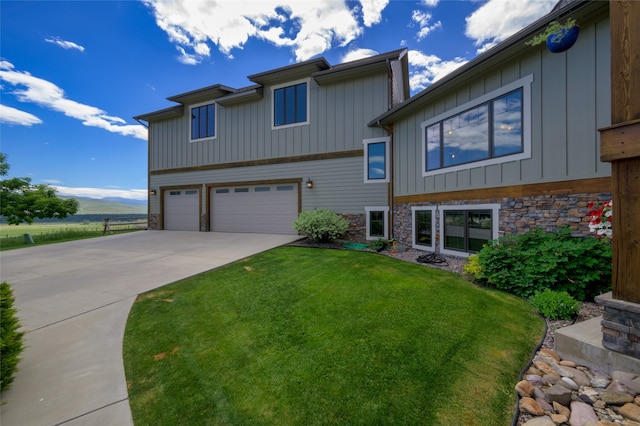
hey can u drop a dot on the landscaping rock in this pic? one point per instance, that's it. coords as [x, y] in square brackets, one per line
[525, 388]
[582, 414]
[529, 405]
[559, 394]
[540, 421]
[630, 411]
[614, 398]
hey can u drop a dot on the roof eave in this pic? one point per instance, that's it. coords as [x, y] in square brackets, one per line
[504, 50]
[202, 95]
[163, 114]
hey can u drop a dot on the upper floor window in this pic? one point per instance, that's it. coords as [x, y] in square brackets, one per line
[203, 121]
[489, 130]
[376, 160]
[291, 104]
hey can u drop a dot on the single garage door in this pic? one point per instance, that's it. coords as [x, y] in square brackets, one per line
[269, 209]
[182, 209]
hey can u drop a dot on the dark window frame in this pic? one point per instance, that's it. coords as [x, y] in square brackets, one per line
[291, 104]
[203, 121]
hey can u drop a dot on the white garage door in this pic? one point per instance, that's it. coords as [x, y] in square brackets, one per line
[182, 209]
[269, 209]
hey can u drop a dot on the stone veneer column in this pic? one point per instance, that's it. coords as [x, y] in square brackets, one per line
[620, 325]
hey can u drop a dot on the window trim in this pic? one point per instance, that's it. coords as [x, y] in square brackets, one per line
[524, 84]
[434, 220]
[387, 162]
[273, 102]
[215, 121]
[385, 210]
[495, 219]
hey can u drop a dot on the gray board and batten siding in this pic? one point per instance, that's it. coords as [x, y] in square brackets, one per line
[338, 115]
[570, 100]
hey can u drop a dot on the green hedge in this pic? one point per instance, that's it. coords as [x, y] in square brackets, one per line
[539, 260]
[11, 345]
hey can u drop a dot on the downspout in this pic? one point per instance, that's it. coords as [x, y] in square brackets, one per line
[390, 192]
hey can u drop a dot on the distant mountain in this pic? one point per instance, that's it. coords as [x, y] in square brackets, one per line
[126, 201]
[111, 205]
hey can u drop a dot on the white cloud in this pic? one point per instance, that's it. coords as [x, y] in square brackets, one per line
[64, 44]
[354, 55]
[430, 3]
[372, 11]
[309, 28]
[423, 19]
[48, 95]
[426, 69]
[11, 116]
[131, 194]
[496, 20]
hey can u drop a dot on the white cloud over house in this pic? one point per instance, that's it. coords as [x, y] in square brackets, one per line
[496, 20]
[308, 27]
[13, 116]
[65, 44]
[31, 89]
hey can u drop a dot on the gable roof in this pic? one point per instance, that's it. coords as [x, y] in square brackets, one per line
[581, 10]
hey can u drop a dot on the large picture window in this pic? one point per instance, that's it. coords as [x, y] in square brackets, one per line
[466, 230]
[376, 158]
[290, 104]
[488, 130]
[203, 122]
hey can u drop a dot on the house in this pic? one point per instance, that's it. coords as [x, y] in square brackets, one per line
[506, 143]
[250, 159]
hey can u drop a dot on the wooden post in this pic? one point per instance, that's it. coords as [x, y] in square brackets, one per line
[620, 145]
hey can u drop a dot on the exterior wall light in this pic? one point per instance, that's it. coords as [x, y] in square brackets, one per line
[152, 192]
[309, 183]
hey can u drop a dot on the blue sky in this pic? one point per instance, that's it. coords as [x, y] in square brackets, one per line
[74, 73]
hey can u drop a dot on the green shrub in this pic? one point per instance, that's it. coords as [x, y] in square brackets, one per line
[378, 245]
[11, 345]
[555, 305]
[539, 260]
[321, 225]
[473, 267]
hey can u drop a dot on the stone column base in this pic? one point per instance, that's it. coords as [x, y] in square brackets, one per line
[620, 325]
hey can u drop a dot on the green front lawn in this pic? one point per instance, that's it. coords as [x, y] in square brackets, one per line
[300, 336]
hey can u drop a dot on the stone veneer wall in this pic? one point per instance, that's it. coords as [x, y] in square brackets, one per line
[357, 227]
[154, 221]
[517, 215]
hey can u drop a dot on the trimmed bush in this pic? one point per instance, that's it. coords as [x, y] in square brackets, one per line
[555, 305]
[539, 260]
[11, 344]
[321, 225]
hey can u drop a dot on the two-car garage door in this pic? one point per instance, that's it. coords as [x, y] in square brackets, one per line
[269, 208]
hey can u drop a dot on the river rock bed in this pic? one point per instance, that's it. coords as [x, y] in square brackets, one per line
[559, 392]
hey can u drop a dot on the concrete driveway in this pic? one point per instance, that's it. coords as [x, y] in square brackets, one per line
[74, 299]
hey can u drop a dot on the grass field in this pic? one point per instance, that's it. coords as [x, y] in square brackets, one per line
[297, 336]
[13, 236]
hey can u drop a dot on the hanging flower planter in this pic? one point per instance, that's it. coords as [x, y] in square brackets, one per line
[563, 39]
[558, 37]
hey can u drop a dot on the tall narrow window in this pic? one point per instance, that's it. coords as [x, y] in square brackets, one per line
[376, 160]
[423, 227]
[290, 104]
[377, 222]
[203, 121]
